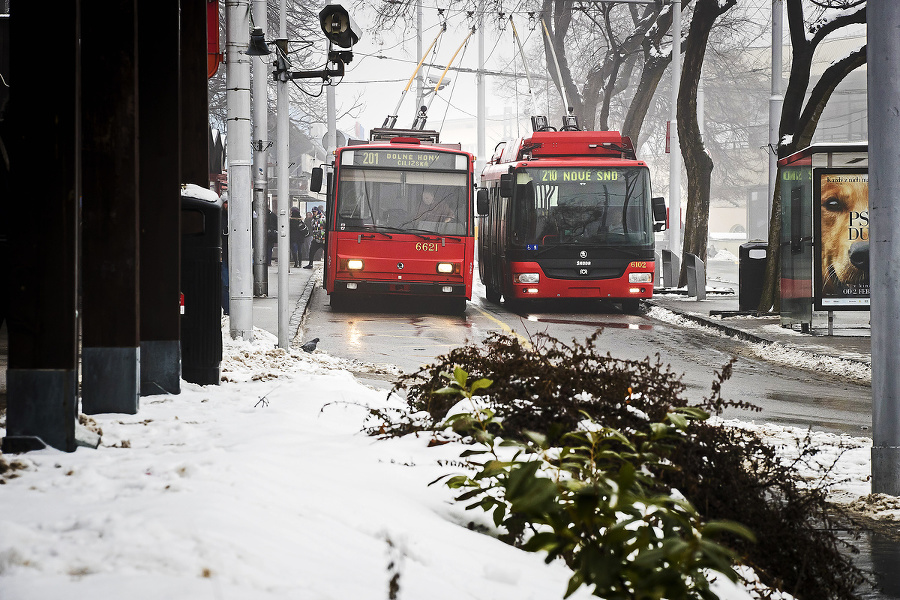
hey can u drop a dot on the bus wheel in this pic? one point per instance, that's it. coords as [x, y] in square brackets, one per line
[456, 306]
[339, 301]
[492, 294]
[631, 306]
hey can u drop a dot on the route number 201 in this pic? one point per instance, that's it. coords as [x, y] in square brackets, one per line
[427, 247]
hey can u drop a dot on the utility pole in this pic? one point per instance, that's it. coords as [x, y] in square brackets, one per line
[260, 159]
[284, 200]
[237, 76]
[331, 118]
[884, 223]
[420, 84]
[674, 147]
[776, 99]
[479, 86]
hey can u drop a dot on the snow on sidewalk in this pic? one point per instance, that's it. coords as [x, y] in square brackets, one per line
[264, 487]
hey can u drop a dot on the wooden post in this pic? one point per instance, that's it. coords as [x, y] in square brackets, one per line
[40, 135]
[160, 196]
[110, 331]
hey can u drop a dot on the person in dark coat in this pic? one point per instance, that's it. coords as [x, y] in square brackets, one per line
[225, 290]
[298, 233]
[307, 241]
[318, 232]
[271, 235]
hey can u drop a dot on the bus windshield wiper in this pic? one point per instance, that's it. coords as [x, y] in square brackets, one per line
[428, 232]
[380, 228]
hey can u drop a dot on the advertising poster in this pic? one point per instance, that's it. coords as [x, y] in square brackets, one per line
[842, 238]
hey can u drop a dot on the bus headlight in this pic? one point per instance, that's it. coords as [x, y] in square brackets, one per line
[354, 264]
[448, 268]
[528, 277]
[640, 277]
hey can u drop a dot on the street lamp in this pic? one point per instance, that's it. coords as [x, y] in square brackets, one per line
[340, 30]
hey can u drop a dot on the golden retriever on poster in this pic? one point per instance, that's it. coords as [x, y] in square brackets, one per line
[845, 234]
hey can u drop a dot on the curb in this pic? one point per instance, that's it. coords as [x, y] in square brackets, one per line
[302, 305]
[725, 329]
[740, 334]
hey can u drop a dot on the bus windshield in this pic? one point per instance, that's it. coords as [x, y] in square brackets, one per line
[606, 206]
[419, 201]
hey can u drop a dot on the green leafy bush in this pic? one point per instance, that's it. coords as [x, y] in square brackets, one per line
[539, 397]
[591, 502]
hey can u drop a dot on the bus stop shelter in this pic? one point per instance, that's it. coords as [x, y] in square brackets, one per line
[825, 237]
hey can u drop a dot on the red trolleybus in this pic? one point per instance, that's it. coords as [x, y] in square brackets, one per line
[400, 220]
[568, 214]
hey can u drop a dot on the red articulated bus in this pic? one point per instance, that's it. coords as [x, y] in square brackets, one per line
[568, 214]
[400, 219]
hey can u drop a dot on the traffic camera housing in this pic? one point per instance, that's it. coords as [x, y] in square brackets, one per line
[338, 26]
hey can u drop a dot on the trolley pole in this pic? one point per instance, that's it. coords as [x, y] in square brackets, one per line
[884, 222]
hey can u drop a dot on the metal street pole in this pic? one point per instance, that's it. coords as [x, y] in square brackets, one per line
[674, 148]
[237, 75]
[284, 202]
[420, 84]
[776, 99]
[260, 159]
[884, 222]
[331, 135]
[479, 88]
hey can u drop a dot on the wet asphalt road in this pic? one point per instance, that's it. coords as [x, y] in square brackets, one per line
[408, 333]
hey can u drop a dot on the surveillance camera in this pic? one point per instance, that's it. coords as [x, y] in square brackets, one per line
[338, 27]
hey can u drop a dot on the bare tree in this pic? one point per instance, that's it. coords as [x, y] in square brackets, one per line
[810, 23]
[698, 162]
[306, 52]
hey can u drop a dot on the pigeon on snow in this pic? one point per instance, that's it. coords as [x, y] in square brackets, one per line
[310, 345]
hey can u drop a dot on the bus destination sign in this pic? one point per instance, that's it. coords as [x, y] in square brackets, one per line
[577, 175]
[406, 159]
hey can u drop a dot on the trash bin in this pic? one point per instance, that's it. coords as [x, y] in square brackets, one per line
[201, 285]
[751, 273]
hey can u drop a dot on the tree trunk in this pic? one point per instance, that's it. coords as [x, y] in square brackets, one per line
[696, 160]
[798, 122]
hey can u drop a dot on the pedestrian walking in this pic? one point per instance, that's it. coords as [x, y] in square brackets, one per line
[307, 241]
[298, 232]
[318, 235]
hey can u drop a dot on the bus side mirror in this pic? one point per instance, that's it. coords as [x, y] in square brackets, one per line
[659, 213]
[506, 185]
[483, 202]
[315, 181]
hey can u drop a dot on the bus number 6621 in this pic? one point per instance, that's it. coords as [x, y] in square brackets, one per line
[427, 247]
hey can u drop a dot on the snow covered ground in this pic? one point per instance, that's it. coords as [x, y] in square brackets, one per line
[264, 488]
[848, 368]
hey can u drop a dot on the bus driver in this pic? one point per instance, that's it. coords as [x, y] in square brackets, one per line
[434, 210]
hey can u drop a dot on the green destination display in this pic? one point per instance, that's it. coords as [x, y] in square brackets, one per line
[575, 175]
[406, 159]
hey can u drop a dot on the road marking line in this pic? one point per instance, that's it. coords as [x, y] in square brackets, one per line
[525, 341]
